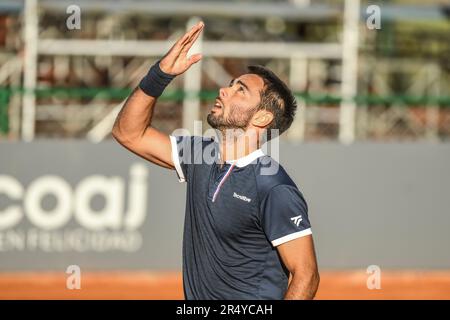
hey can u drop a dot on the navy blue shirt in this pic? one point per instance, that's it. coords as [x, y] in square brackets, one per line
[237, 213]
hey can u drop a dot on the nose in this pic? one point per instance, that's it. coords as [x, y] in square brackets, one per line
[223, 92]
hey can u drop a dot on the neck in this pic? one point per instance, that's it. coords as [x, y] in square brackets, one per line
[237, 145]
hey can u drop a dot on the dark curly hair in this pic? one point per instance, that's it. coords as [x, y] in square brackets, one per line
[277, 98]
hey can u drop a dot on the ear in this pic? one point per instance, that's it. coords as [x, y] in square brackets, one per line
[262, 118]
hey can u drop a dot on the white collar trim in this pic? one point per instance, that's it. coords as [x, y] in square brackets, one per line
[242, 162]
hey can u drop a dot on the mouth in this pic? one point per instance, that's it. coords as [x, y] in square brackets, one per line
[217, 104]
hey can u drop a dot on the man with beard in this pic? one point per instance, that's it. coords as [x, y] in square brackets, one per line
[247, 234]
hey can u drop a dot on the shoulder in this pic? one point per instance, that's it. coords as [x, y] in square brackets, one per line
[278, 195]
[270, 174]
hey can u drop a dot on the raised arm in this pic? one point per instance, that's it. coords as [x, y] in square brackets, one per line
[133, 126]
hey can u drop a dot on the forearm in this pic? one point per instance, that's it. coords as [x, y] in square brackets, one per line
[135, 116]
[303, 287]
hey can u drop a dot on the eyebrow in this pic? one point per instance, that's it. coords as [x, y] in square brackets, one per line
[241, 83]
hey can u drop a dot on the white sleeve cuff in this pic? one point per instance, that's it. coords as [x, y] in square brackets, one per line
[291, 236]
[176, 159]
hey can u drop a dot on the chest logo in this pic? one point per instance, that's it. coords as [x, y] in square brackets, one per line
[244, 198]
[297, 220]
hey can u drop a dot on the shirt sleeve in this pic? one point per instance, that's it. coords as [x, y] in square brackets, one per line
[181, 154]
[284, 215]
[189, 150]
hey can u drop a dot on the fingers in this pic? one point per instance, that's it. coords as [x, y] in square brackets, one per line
[188, 35]
[179, 51]
[183, 39]
[179, 46]
[195, 58]
[198, 26]
[191, 40]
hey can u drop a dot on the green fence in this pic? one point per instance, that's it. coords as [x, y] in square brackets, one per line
[179, 95]
[4, 104]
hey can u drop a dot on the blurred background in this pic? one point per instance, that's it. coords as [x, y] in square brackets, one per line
[369, 147]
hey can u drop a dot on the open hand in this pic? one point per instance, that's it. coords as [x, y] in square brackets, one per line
[176, 62]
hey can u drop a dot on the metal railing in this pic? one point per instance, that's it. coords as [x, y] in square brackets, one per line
[377, 108]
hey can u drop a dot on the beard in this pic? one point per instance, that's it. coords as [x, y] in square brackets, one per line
[235, 120]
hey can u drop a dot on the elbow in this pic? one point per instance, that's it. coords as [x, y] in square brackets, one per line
[127, 133]
[116, 134]
[310, 275]
[313, 276]
[312, 280]
[126, 139]
[304, 285]
[316, 280]
[119, 136]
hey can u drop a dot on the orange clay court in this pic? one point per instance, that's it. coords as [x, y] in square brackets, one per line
[168, 285]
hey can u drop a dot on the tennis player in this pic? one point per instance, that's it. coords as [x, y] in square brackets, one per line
[247, 234]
